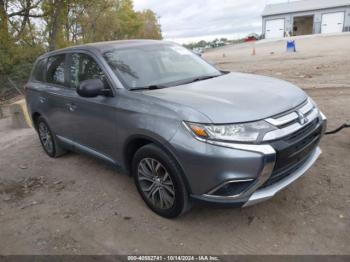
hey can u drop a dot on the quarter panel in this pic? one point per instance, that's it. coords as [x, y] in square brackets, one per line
[32, 94]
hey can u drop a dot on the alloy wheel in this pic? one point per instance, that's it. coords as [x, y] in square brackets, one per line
[156, 183]
[45, 137]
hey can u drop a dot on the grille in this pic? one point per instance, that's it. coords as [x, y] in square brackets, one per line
[294, 150]
[301, 133]
[278, 176]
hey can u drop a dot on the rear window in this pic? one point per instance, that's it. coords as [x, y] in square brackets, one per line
[55, 73]
[39, 70]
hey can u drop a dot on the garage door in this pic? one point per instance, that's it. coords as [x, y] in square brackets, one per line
[274, 28]
[332, 23]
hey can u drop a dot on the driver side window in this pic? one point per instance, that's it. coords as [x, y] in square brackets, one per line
[84, 67]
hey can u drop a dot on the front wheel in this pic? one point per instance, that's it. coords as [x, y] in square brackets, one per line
[159, 181]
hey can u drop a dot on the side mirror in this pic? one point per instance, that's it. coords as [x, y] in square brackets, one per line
[91, 88]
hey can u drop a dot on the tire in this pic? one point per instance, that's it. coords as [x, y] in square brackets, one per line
[156, 176]
[48, 139]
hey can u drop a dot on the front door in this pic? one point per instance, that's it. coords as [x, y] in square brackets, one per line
[94, 118]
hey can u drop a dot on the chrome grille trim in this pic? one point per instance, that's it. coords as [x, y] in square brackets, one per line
[283, 120]
[291, 117]
[309, 113]
[307, 108]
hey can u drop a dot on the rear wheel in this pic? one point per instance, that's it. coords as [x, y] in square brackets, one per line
[159, 181]
[48, 139]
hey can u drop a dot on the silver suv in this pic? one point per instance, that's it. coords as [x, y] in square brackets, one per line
[185, 131]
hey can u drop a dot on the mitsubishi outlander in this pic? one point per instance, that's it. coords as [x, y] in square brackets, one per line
[184, 130]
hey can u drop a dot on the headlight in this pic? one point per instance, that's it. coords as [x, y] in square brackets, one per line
[246, 132]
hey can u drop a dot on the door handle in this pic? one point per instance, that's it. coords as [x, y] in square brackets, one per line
[71, 107]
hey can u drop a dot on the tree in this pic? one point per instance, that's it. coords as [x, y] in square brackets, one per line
[56, 12]
[4, 32]
[150, 27]
[18, 42]
[129, 22]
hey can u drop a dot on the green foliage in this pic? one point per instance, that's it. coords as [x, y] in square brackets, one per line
[29, 28]
[129, 22]
[149, 25]
[200, 44]
[213, 44]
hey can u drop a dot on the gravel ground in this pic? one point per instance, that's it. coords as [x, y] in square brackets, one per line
[78, 205]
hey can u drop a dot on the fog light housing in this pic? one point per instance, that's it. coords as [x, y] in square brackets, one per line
[231, 188]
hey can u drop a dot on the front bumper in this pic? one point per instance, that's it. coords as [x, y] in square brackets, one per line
[268, 192]
[259, 166]
[263, 194]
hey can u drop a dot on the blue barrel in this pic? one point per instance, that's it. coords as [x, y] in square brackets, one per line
[291, 46]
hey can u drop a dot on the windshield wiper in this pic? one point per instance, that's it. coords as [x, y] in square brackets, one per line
[196, 79]
[201, 78]
[151, 87]
[177, 83]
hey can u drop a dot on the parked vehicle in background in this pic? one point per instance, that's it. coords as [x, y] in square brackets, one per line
[183, 129]
[198, 51]
[252, 37]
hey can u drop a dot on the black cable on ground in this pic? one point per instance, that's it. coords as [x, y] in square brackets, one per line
[338, 129]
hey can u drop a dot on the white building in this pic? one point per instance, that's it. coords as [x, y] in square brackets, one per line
[306, 17]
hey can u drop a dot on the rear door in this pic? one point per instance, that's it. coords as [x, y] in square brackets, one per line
[332, 23]
[94, 118]
[274, 28]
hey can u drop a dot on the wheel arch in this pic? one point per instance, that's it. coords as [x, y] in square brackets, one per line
[137, 141]
[35, 117]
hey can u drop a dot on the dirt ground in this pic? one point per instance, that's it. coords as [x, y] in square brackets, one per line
[78, 205]
[320, 61]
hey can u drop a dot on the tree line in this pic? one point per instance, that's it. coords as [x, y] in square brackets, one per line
[29, 28]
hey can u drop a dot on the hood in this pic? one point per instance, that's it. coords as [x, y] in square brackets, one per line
[235, 97]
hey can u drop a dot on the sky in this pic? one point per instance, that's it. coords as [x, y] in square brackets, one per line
[186, 21]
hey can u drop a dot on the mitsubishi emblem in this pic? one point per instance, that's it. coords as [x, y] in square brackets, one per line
[301, 118]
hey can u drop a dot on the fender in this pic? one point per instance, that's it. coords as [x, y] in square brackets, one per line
[163, 144]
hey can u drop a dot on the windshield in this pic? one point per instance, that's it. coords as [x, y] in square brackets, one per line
[157, 65]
